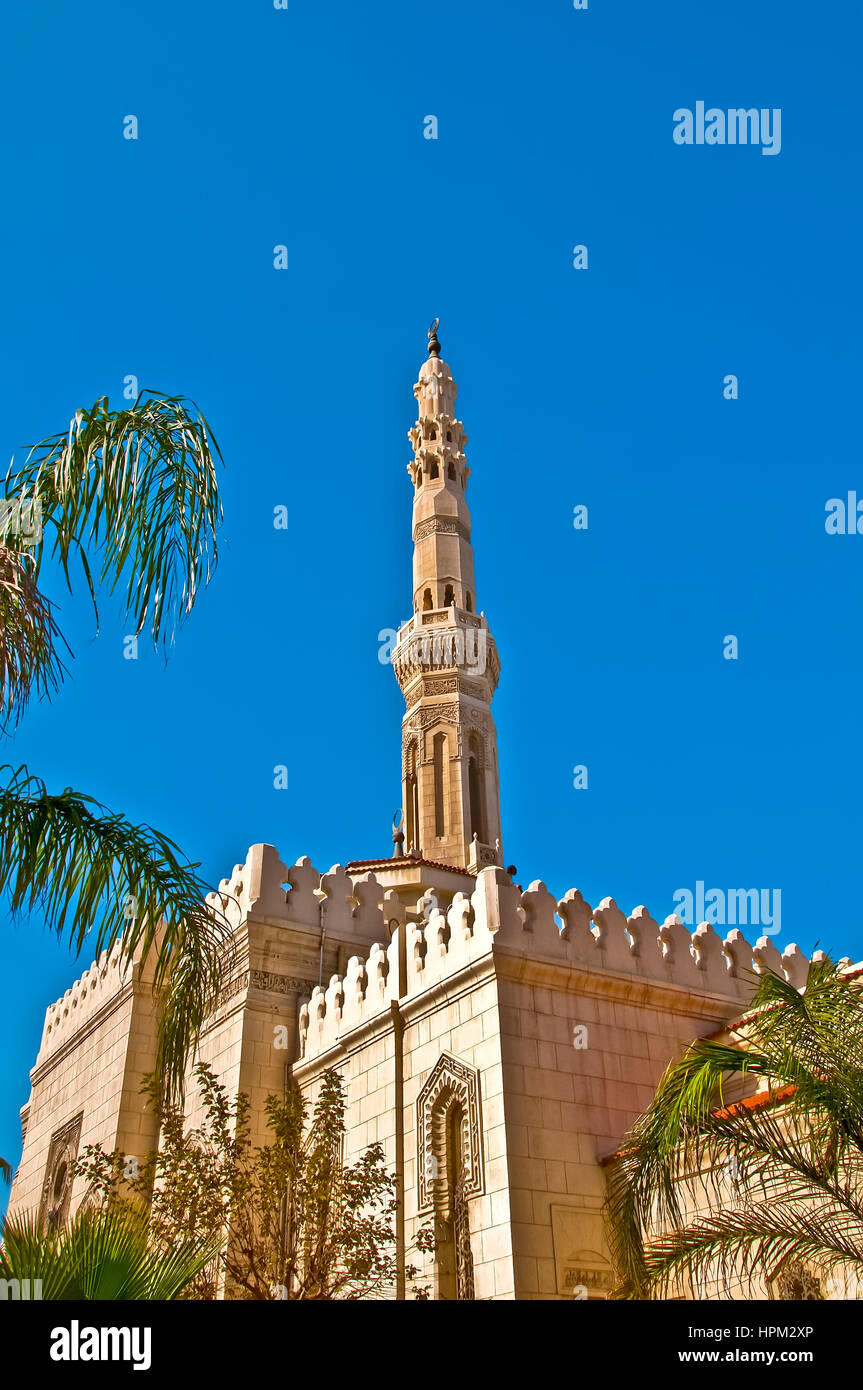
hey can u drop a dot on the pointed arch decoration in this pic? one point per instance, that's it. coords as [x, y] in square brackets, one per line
[452, 1089]
[57, 1183]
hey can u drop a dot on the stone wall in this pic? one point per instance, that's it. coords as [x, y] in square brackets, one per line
[562, 1018]
[98, 1044]
[526, 1032]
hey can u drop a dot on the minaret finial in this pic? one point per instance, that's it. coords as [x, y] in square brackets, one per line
[398, 835]
[434, 345]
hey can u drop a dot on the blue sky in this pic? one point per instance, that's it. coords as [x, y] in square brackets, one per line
[601, 387]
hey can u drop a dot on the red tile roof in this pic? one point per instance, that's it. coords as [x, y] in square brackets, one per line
[756, 1102]
[850, 973]
[405, 861]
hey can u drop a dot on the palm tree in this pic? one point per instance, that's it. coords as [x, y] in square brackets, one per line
[103, 1253]
[5, 1170]
[778, 1175]
[132, 496]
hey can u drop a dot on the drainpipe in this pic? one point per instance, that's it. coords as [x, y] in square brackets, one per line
[398, 928]
[398, 1037]
[321, 958]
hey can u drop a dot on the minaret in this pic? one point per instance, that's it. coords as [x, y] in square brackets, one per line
[445, 660]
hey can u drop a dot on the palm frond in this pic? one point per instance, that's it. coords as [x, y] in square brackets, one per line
[139, 485]
[101, 881]
[29, 639]
[801, 1147]
[748, 1245]
[103, 1254]
[5, 1170]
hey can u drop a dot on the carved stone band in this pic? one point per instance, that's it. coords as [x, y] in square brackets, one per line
[445, 525]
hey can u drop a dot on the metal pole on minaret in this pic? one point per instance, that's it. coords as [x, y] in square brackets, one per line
[445, 659]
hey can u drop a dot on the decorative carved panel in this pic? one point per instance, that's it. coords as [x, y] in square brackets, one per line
[57, 1187]
[265, 980]
[280, 984]
[442, 525]
[797, 1284]
[581, 1259]
[440, 685]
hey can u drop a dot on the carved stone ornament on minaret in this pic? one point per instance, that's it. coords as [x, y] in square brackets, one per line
[445, 659]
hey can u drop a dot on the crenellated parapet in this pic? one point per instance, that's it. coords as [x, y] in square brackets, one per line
[262, 888]
[348, 1002]
[91, 992]
[604, 938]
[499, 919]
[300, 895]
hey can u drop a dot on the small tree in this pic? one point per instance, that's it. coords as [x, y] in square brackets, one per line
[292, 1220]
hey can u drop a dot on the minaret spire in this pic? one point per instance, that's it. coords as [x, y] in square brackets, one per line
[445, 659]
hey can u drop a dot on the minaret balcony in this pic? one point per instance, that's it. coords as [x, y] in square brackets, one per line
[432, 617]
[445, 639]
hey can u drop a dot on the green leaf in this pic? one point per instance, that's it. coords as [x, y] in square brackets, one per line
[107, 884]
